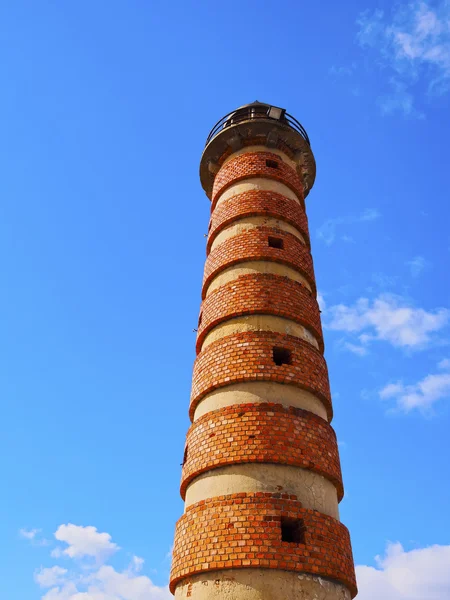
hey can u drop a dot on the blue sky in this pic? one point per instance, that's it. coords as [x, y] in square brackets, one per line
[105, 108]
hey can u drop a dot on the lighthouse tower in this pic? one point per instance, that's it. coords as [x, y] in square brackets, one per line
[261, 476]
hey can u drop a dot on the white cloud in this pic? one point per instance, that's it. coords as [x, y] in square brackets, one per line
[85, 580]
[29, 534]
[417, 265]
[388, 318]
[107, 583]
[327, 231]
[126, 585]
[33, 536]
[355, 348]
[84, 541]
[444, 364]
[421, 395]
[50, 576]
[136, 564]
[421, 574]
[410, 44]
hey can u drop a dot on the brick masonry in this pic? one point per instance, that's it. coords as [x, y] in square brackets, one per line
[257, 141]
[244, 530]
[257, 203]
[261, 433]
[253, 164]
[248, 356]
[260, 294]
[254, 245]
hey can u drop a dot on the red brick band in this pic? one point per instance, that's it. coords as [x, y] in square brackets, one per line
[245, 530]
[254, 245]
[248, 356]
[261, 433]
[254, 164]
[257, 141]
[257, 203]
[260, 294]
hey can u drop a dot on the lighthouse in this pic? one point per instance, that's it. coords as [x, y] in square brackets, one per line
[261, 477]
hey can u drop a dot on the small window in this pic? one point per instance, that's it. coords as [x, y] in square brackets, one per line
[209, 226]
[282, 356]
[185, 455]
[292, 531]
[272, 164]
[200, 319]
[275, 242]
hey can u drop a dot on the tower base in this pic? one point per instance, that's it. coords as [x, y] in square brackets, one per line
[259, 584]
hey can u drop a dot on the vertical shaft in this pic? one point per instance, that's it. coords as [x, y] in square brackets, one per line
[261, 476]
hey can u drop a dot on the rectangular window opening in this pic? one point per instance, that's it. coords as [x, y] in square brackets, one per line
[272, 164]
[292, 531]
[185, 455]
[275, 242]
[200, 319]
[282, 356]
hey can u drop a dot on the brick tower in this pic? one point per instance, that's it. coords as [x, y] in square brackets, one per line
[261, 477]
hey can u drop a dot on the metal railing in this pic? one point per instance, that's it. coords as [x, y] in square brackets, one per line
[255, 112]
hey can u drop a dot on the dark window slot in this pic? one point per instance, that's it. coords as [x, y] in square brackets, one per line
[275, 242]
[272, 164]
[282, 356]
[293, 531]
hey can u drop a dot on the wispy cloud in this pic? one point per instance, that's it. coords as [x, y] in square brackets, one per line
[357, 349]
[417, 265]
[419, 574]
[421, 395]
[342, 71]
[399, 99]
[33, 536]
[327, 232]
[29, 534]
[444, 364]
[389, 318]
[347, 239]
[411, 44]
[383, 281]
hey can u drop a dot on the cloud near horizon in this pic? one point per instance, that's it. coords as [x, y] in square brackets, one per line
[420, 574]
[86, 579]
